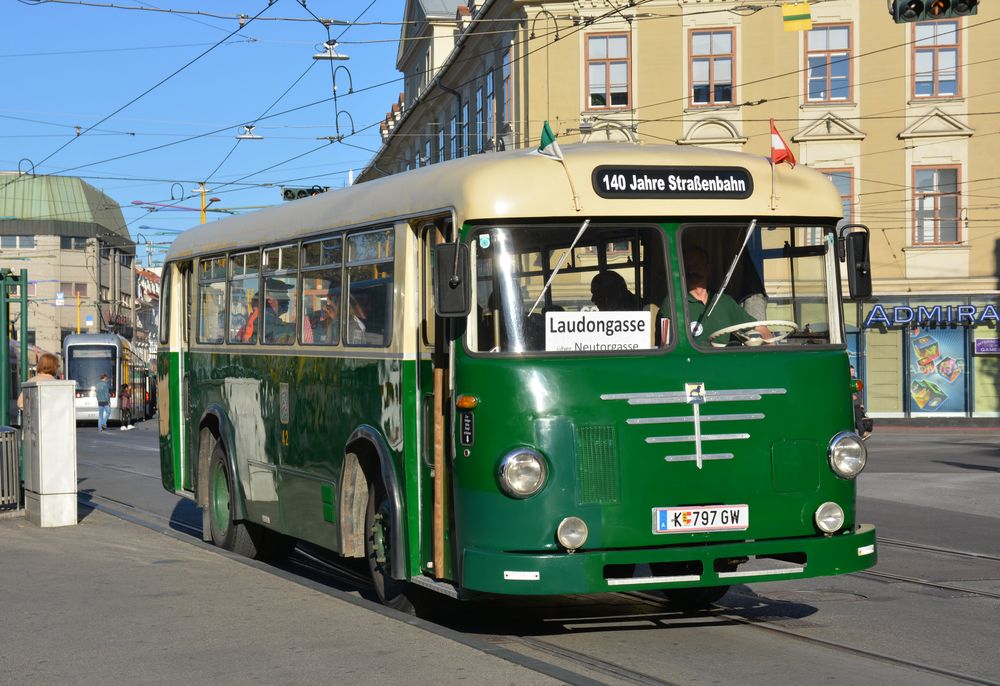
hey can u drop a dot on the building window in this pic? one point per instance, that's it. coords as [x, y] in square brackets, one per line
[427, 152]
[17, 242]
[453, 135]
[608, 69]
[488, 131]
[478, 127]
[843, 181]
[712, 55]
[72, 242]
[71, 290]
[828, 54]
[441, 144]
[935, 205]
[464, 142]
[507, 104]
[935, 59]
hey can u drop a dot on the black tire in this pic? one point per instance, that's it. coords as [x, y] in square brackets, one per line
[378, 550]
[242, 538]
[689, 600]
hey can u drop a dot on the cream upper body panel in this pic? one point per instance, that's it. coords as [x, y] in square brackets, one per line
[522, 184]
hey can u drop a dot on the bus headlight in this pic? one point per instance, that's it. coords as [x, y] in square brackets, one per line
[522, 473]
[847, 455]
[572, 533]
[829, 517]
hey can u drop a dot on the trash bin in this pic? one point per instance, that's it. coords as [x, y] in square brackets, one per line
[49, 436]
[10, 470]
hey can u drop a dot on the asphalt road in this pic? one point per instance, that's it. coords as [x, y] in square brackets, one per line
[931, 614]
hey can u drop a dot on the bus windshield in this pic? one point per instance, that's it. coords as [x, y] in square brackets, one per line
[86, 363]
[604, 294]
[538, 291]
[781, 290]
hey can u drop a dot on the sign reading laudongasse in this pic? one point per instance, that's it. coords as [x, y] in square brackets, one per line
[673, 182]
[598, 331]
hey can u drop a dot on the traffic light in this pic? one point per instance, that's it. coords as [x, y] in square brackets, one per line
[296, 193]
[927, 10]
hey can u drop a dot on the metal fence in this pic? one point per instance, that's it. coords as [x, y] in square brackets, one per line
[10, 470]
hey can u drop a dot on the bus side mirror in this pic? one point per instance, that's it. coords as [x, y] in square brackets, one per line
[859, 271]
[452, 293]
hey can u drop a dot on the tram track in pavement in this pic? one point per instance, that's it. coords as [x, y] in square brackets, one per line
[924, 547]
[927, 583]
[829, 644]
[306, 567]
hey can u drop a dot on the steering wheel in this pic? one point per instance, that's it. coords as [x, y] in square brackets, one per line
[751, 338]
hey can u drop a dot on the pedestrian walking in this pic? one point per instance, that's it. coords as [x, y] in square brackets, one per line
[103, 393]
[125, 405]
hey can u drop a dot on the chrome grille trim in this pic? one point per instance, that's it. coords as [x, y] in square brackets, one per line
[761, 572]
[670, 397]
[704, 418]
[693, 458]
[692, 439]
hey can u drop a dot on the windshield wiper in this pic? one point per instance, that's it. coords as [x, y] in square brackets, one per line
[562, 261]
[729, 274]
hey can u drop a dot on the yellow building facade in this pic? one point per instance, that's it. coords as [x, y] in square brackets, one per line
[903, 118]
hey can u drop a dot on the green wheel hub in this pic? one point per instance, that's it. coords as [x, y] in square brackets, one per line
[220, 498]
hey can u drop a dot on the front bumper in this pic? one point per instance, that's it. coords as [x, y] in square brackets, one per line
[584, 571]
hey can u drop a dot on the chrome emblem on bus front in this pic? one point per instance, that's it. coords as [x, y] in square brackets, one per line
[696, 395]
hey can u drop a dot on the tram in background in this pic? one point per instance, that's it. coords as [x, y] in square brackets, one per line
[494, 427]
[87, 356]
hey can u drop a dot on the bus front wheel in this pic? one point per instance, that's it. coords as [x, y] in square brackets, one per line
[378, 550]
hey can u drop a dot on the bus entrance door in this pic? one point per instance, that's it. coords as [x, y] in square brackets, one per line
[433, 415]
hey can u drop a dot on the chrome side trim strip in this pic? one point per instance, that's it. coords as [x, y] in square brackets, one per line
[691, 439]
[704, 418]
[653, 580]
[761, 572]
[704, 456]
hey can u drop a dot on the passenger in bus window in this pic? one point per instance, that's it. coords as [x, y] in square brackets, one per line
[608, 291]
[727, 312]
[356, 326]
[48, 367]
[328, 327]
[276, 329]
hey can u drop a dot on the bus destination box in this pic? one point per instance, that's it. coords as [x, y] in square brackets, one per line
[49, 436]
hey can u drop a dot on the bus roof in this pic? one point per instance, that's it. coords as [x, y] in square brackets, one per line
[522, 184]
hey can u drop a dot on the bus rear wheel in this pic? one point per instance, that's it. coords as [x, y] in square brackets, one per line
[378, 550]
[689, 600]
[242, 538]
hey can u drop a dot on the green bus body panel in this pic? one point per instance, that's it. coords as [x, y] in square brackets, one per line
[779, 469]
[292, 417]
[168, 399]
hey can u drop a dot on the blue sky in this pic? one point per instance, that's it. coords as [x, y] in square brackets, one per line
[67, 64]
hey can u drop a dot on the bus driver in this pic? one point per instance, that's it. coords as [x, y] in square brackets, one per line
[727, 312]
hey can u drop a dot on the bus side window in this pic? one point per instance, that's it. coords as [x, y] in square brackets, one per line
[370, 277]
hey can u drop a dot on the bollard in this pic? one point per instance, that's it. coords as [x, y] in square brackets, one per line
[49, 436]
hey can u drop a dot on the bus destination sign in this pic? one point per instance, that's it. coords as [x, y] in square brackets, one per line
[733, 183]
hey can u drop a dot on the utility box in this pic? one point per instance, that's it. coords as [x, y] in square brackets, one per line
[49, 437]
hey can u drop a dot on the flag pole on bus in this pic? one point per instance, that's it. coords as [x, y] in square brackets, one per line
[549, 147]
[780, 152]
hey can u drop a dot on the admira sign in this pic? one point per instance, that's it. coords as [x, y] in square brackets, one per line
[940, 315]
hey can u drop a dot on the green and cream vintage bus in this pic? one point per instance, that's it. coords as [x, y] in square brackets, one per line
[494, 375]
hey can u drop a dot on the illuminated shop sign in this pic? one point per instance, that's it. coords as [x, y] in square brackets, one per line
[940, 315]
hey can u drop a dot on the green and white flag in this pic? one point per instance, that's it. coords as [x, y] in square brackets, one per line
[548, 145]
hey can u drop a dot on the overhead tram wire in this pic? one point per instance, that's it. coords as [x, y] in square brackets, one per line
[146, 92]
[573, 30]
[364, 88]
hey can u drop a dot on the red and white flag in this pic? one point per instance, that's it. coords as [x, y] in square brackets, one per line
[779, 148]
